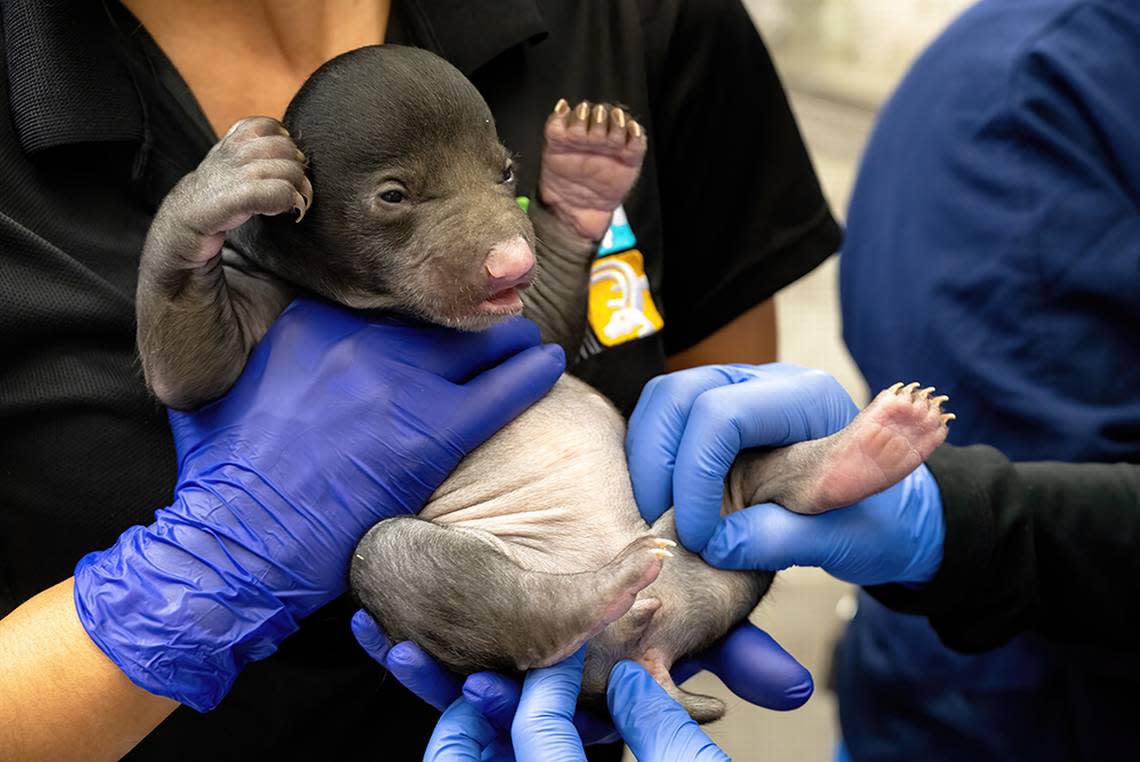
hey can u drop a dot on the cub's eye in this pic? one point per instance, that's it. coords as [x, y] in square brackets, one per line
[392, 196]
[508, 174]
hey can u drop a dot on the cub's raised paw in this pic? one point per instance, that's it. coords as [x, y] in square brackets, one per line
[591, 158]
[256, 168]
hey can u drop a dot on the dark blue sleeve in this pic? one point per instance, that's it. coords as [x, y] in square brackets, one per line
[993, 243]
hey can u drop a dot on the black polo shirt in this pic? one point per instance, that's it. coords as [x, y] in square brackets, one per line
[96, 126]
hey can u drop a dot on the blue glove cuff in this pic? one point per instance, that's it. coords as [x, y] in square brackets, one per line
[179, 615]
[922, 499]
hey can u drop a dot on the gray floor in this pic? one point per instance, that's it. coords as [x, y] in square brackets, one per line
[807, 608]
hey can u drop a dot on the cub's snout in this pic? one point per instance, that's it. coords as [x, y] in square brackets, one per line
[509, 268]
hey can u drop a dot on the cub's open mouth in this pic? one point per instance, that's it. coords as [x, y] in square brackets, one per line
[505, 301]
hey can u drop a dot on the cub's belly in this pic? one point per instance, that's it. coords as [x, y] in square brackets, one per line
[552, 488]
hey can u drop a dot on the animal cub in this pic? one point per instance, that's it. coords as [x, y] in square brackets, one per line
[386, 187]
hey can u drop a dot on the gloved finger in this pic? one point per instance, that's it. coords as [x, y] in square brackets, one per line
[754, 667]
[423, 675]
[461, 735]
[497, 697]
[302, 314]
[370, 637]
[653, 725]
[543, 729]
[768, 536]
[451, 354]
[655, 430]
[762, 412]
[499, 395]
[456, 355]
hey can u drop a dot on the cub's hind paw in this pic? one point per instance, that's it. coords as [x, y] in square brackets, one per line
[887, 440]
[922, 400]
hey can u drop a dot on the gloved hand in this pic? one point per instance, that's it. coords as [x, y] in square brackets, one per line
[747, 660]
[653, 725]
[339, 420]
[656, 728]
[688, 428]
[493, 694]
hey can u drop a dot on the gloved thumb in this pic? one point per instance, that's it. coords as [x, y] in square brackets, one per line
[498, 395]
[768, 536]
[753, 666]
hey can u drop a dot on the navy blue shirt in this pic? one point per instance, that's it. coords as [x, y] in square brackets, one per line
[993, 251]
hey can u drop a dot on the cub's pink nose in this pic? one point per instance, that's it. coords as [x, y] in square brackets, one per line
[510, 264]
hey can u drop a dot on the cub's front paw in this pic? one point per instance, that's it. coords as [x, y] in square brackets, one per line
[255, 169]
[591, 158]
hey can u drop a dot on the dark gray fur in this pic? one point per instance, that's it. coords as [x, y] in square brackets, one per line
[373, 114]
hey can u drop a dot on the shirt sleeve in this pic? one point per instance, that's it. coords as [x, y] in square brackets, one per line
[742, 211]
[993, 238]
[1049, 547]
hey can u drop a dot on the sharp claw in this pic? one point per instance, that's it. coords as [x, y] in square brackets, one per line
[636, 129]
[561, 107]
[661, 542]
[661, 553]
[936, 401]
[909, 388]
[582, 111]
[947, 417]
[895, 388]
[600, 114]
[923, 394]
[619, 117]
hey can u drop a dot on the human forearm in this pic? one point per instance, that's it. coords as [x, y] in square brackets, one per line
[750, 338]
[61, 697]
[1048, 547]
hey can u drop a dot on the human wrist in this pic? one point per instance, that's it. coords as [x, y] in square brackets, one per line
[179, 608]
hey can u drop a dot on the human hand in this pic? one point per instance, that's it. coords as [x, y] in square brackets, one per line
[685, 434]
[688, 427]
[338, 421]
[747, 660]
[656, 728]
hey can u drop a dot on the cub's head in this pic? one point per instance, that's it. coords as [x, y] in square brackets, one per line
[414, 196]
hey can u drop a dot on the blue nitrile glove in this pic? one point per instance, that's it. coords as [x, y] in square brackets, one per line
[653, 725]
[494, 695]
[688, 428]
[339, 420]
[747, 660]
[656, 728]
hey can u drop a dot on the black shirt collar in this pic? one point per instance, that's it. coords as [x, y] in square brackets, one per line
[468, 33]
[66, 81]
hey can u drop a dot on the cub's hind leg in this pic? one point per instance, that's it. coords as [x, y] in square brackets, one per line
[467, 603]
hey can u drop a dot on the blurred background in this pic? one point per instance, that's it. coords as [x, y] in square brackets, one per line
[839, 60]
